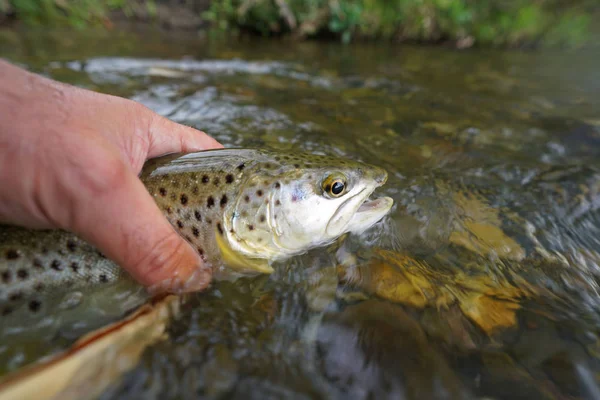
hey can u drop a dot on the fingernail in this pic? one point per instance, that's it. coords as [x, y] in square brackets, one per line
[197, 281]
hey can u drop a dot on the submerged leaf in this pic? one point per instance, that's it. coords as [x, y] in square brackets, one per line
[94, 361]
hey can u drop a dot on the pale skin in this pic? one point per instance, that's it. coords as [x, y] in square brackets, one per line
[70, 158]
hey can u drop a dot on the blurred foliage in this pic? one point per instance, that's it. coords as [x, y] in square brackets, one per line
[465, 22]
[75, 13]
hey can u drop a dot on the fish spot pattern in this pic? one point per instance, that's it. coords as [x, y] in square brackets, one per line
[56, 265]
[71, 246]
[34, 305]
[74, 267]
[12, 254]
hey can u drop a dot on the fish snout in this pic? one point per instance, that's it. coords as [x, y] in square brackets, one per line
[381, 177]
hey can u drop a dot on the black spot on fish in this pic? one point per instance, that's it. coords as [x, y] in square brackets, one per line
[277, 202]
[6, 277]
[209, 221]
[179, 224]
[6, 311]
[198, 215]
[34, 305]
[205, 179]
[251, 227]
[241, 166]
[183, 199]
[100, 254]
[259, 193]
[200, 251]
[163, 192]
[12, 254]
[103, 278]
[195, 231]
[15, 296]
[169, 210]
[74, 266]
[297, 165]
[231, 231]
[22, 274]
[210, 202]
[229, 178]
[277, 185]
[56, 265]
[71, 246]
[262, 218]
[247, 199]
[189, 239]
[223, 201]
[39, 287]
[219, 228]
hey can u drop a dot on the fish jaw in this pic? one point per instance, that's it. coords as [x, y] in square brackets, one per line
[365, 213]
[369, 213]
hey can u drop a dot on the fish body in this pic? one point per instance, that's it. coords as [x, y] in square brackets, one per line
[241, 209]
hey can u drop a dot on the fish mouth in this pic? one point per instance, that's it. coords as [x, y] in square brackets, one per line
[369, 211]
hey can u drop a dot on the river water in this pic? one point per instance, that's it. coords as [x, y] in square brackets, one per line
[482, 283]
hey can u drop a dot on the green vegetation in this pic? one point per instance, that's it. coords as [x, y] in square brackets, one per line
[464, 22]
[486, 22]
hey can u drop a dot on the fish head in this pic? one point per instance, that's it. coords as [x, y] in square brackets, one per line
[305, 202]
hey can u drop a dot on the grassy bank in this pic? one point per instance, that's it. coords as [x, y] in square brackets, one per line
[461, 22]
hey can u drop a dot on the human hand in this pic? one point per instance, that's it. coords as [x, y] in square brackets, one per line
[69, 159]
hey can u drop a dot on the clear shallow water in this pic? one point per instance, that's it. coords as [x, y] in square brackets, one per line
[483, 281]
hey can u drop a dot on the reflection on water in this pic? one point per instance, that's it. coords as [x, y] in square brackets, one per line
[483, 282]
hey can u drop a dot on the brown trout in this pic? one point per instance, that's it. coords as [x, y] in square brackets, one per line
[241, 209]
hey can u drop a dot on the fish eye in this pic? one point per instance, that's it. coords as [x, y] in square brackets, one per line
[334, 185]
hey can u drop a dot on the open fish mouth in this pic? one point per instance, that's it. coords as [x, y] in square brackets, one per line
[379, 205]
[370, 211]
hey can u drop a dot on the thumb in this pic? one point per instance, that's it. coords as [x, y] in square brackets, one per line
[127, 226]
[166, 136]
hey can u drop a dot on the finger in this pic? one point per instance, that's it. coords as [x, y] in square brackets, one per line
[127, 226]
[166, 136]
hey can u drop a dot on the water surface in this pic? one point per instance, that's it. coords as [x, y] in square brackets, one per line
[483, 281]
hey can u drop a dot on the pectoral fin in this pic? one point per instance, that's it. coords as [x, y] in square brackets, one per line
[238, 262]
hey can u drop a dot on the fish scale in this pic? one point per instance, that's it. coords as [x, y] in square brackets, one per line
[239, 208]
